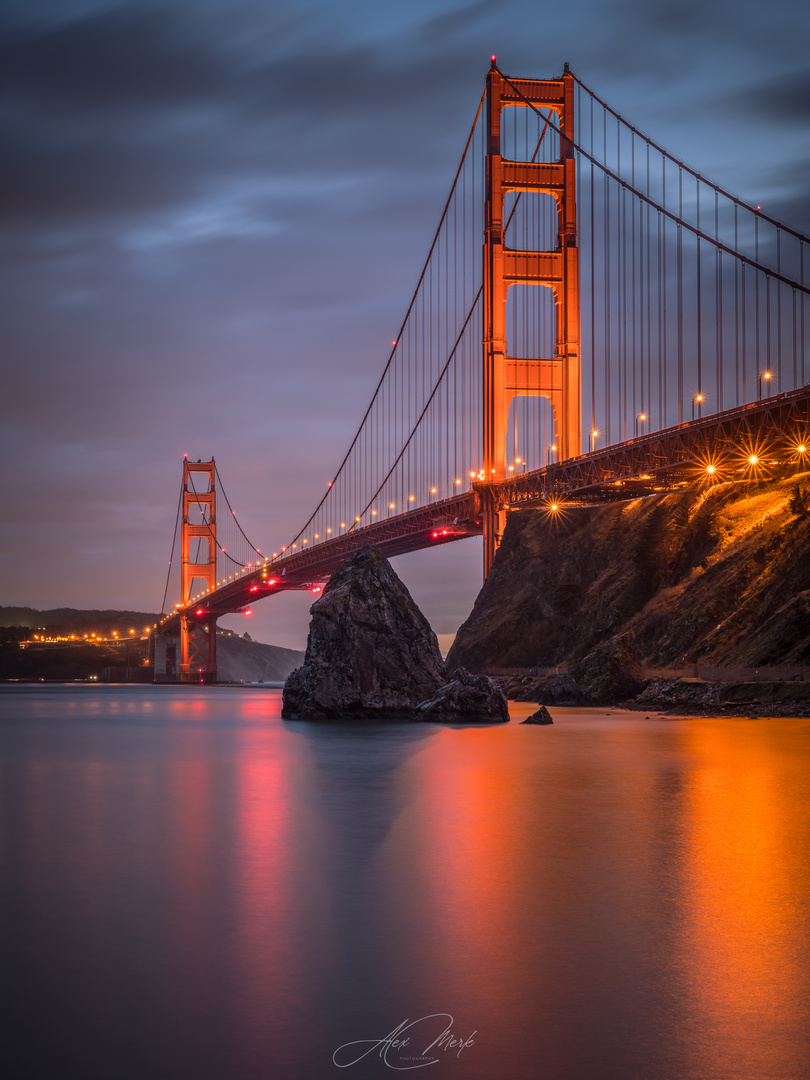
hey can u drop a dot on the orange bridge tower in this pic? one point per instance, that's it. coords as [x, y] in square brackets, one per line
[505, 377]
[198, 634]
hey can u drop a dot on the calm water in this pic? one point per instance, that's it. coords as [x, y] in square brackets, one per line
[193, 888]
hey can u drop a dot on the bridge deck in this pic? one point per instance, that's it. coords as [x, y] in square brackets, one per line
[770, 430]
[427, 526]
[681, 455]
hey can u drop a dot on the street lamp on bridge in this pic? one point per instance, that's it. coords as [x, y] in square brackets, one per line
[766, 376]
[552, 449]
[592, 440]
[697, 400]
[640, 420]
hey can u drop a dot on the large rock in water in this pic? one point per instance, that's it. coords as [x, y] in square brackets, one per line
[465, 698]
[370, 651]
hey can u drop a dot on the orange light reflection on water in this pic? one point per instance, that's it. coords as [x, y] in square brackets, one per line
[744, 937]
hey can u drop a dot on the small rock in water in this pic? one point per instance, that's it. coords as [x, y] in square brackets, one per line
[371, 653]
[465, 698]
[542, 716]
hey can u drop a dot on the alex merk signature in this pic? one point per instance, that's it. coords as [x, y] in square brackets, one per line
[400, 1050]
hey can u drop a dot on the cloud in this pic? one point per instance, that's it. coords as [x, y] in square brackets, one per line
[778, 99]
[163, 132]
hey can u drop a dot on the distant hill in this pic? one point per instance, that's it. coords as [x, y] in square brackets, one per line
[242, 660]
[239, 659]
[77, 620]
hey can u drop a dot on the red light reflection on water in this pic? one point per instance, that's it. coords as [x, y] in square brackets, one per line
[268, 928]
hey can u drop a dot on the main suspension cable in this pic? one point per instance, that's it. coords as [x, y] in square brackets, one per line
[676, 161]
[397, 340]
[669, 213]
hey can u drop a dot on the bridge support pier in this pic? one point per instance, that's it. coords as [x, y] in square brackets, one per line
[164, 653]
[198, 649]
[493, 518]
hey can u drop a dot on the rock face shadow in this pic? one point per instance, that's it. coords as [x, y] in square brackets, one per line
[357, 788]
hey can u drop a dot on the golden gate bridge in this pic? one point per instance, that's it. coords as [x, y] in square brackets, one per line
[580, 277]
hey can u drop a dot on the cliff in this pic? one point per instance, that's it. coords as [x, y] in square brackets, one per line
[719, 575]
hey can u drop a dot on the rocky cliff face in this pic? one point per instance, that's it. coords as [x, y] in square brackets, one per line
[370, 652]
[716, 576]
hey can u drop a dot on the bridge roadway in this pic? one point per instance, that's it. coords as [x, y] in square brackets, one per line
[714, 448]
[426, 526]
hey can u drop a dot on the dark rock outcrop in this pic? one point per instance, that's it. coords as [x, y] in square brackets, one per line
[542, 716]
[725, 699]
[466, 698]
[606, 676]
[371, 653]
[719, 575]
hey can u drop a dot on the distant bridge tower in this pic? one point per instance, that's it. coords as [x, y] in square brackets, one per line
[198, 636]
[505, 377]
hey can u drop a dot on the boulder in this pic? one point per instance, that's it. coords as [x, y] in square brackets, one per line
[371, 653]
[464, 699]
[607, 675]
[542, 716]
[561, 691]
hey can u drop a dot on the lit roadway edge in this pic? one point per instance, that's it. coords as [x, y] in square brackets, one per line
[763, 434]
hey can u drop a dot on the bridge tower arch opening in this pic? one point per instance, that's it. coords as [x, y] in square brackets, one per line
[556, 377]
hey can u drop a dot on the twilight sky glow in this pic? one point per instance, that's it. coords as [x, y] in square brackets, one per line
[213, 215]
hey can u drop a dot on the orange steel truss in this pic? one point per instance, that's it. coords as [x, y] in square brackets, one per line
[198, 660]
[505, 377]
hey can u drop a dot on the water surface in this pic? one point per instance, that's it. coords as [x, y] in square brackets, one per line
[194, 889]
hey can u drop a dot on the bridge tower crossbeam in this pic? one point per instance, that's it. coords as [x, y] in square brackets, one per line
[506, 377]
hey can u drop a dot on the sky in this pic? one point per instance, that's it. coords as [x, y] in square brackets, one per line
[213, 215]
